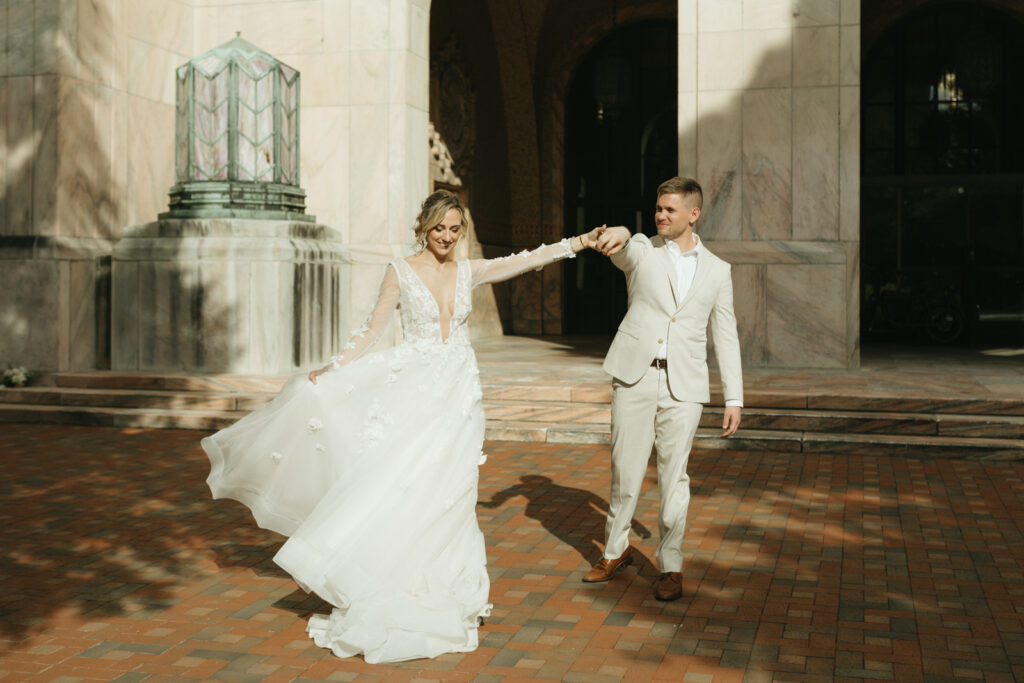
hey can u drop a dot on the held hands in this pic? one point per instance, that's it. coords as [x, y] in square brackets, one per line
[612, 240]
[730, 420]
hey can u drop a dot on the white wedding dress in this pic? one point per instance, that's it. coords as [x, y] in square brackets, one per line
[372, 474]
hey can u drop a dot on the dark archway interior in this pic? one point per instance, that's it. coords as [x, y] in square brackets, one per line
[942, 193]
[621, 143]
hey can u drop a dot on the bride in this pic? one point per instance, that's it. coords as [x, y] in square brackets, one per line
[369, 465]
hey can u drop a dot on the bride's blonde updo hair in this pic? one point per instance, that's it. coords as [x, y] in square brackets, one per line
[433, 211]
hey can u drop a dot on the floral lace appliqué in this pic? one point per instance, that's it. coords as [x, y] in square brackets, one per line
[377, 422]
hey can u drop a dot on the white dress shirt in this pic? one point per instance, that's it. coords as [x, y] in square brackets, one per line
[686, 267]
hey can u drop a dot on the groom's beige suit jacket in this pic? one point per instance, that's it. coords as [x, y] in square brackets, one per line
[655, 313]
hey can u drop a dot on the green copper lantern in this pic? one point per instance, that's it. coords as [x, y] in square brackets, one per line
[237, 137]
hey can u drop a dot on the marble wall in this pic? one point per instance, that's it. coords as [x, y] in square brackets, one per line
[769, 123]
[87, 107]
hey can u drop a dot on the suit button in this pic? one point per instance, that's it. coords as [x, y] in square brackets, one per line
[673, 319]
[661, 341]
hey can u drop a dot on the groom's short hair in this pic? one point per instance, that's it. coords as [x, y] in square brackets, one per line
[684, 186]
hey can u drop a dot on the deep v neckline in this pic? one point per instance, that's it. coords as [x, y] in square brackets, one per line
[437, 304]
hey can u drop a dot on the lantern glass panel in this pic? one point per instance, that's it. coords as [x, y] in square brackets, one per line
[289, 93]
[181, 125]
[210, 142]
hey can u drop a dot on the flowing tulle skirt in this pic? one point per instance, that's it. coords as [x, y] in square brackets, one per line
[372, 474]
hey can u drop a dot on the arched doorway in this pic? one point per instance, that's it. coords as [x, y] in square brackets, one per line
[620, 145]
[942, 192]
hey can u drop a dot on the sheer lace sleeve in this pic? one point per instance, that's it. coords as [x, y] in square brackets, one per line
[369, 332]
[486, 271]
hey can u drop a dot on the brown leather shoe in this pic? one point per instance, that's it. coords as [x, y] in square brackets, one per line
[669, 586]
[604, 569]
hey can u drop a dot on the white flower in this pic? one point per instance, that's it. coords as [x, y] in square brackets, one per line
[314, 424]
[275, 456]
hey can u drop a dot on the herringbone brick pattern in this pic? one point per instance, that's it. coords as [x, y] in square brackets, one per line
[118, 566]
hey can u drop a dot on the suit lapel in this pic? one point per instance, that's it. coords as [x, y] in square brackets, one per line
[661, 248]
[701, 274]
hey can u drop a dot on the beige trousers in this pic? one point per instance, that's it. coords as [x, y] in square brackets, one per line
[645, 415]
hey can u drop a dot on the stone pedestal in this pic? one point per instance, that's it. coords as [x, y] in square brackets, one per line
[225, 295]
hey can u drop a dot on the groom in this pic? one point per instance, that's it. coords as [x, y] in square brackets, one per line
[677, 289]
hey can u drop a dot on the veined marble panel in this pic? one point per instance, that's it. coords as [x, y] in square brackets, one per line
[21, 142]
[206, 34]
[166, 24]
[849, 11]
[815, 12]
[852, 304]
[764, 14]
[369, 77]
[815, 163]
[720, 61]
[46, 38]
[281, 30]
[45, 164]
[686, 15]
[325, 167]
[370, 26]
[748, 288]
[780, 252]
[368, 176]
[849, 55]
[719, 15]
[816, 55]
[719, 163]
[21, 39]
[849, 163]
[28, 313]
[398, 24]
[150, 156]
[768, 58]
[84, 180]
[326, 80]
[4, 155]
[416, 72]
[687, 139]
[97, 41]
[118, 146]
[151, 71]
[337, 24]
[686, 61]
[767, 202]
[416, 173]
[806, 316]
[419, 30]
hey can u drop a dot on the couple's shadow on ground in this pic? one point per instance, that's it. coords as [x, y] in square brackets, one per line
[574, 516]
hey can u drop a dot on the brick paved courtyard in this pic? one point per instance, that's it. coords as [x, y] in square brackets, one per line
[118, 566]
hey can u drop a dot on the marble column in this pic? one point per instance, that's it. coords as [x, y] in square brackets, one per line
[768, 118]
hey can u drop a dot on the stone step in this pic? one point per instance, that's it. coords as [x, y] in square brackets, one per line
[554, 432]
[126, 398]
[206, 420]
[782, 441]
[765, 419]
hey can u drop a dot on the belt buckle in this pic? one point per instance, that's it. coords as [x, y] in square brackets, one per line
[660, 363]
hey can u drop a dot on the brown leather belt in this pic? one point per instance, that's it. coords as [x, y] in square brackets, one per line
[660, 363]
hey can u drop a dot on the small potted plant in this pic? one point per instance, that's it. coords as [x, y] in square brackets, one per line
[16, 376]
